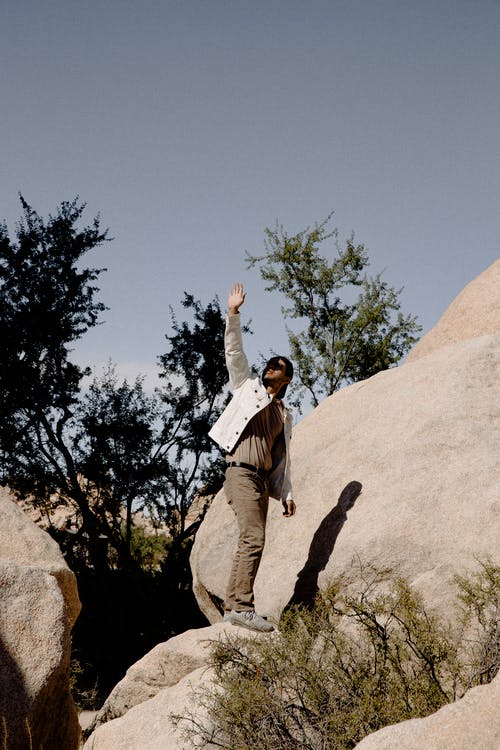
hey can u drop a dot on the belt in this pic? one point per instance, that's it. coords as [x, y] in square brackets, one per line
[241, 465]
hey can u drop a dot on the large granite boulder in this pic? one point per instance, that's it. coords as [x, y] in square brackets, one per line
[472, 723]
[399, 471]
[38, 607]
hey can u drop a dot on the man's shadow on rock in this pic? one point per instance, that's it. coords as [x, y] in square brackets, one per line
[322, 546]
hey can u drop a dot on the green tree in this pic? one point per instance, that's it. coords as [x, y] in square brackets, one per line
[136, 451]
[116, 444]
[344, 339]
[47, 301]
[111, 449]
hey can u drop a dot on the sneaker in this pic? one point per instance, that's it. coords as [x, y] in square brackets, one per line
[251, 620]
[228, 613]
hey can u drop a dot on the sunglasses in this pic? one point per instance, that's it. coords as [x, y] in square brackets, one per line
[282, 368]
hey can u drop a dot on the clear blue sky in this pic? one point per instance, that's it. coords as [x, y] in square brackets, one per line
[191, 126]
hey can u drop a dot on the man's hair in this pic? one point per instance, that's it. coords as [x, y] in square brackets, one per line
[275, 362]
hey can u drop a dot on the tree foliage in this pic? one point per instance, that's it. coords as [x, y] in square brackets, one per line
[110, 449]
[116, 444]
[344, 339]
[47, 301]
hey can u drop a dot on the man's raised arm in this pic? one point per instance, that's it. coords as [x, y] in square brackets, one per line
[236, 360]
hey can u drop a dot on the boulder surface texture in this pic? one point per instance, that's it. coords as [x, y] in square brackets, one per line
[399, 471]
[38, 606]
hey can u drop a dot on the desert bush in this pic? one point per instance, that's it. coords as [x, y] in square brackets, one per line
[148, 548]
[366, 655]
[479, 594]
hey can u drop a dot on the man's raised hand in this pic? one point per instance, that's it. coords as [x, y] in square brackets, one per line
[236, 298]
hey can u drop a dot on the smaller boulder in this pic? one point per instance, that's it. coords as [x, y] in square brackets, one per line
[151, 725]
[165, 665]
[38, 606]
[472, 722]
[162, 684]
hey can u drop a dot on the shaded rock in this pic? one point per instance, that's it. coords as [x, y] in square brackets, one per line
[472, 722]
[38, 606]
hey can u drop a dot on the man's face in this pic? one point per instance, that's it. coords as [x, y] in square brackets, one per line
[274, 374]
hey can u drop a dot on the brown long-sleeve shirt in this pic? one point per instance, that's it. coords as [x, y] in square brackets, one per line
[256, 442]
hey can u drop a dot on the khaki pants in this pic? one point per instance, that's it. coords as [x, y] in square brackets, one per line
[248, 495]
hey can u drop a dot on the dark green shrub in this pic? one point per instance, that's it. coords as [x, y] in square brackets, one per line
[353, 663]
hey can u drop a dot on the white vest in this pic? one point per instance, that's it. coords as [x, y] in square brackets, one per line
[249, 397]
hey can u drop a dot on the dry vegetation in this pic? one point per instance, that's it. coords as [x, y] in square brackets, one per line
[352, 664]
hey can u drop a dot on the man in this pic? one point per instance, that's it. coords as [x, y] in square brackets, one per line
[255, 431]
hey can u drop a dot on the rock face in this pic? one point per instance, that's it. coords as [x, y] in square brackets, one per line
[420, 441]
[472, 722]
[38, 606]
